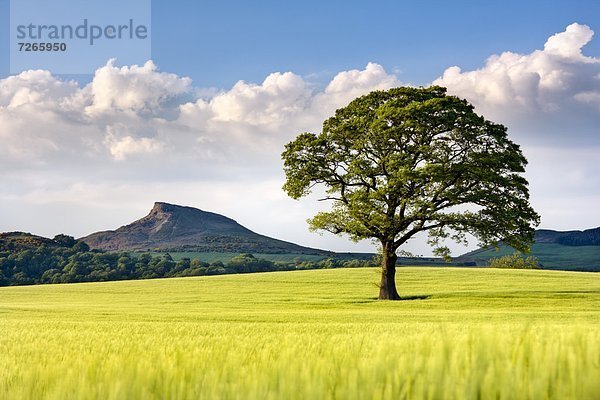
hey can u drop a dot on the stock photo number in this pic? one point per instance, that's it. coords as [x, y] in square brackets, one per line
[27, 46]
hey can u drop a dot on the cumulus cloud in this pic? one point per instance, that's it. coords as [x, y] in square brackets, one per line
[135, 135]
[136, 123]
[129, 111]
[348, 85]
[262, 117]
[139, 89]
[35, 87]
[272, 102]
[550, 83]
[122, 145]
[549, 99]
[568, 44]
[283, 100]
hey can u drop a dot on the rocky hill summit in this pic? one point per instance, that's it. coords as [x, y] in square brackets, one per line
[170, 227]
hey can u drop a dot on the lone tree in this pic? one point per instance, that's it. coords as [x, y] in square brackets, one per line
[410, 160]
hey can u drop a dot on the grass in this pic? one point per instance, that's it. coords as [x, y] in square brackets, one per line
[465, 333]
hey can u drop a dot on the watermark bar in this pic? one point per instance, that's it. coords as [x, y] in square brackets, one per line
[78, 36]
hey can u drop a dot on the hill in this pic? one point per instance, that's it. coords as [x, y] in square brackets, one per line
[460, 334]
[570, 250]
[20, 241]
[589, 237]
[170, 227]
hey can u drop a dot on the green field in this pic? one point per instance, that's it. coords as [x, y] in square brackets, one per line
[460, 334]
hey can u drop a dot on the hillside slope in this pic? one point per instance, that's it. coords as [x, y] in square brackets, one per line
[20, 241]
[178, 228]
[588, 237]
[571, 250]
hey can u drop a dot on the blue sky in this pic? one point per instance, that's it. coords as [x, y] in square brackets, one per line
[95, 153]
[226, 41]
[218, 43]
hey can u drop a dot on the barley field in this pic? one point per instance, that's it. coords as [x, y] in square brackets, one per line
[319, 334]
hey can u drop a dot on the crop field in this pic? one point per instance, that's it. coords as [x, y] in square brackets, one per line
[459, 334]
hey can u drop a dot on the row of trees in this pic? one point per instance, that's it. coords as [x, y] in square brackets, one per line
[78, 264]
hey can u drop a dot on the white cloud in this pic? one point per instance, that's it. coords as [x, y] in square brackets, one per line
[589, 97]
[122, 145]
[136, 135]
[262, 117]
[550, 81]
[265, 116]
[568, 44]
[355, 82]
[549, 100]
[135, 110]
[139, 89]
[276, 99]
[348, 85]
[36, 88]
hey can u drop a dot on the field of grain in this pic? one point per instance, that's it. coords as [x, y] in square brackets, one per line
[460, 334]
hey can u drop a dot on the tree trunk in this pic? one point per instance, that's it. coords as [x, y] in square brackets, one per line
[387, 289]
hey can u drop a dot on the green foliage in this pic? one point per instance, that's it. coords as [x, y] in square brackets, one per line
[409, 160]
[19, 241]
[65, 240]
[249, 263]
[514, 261]
[468, 334]
[77, 264]
[224, 257]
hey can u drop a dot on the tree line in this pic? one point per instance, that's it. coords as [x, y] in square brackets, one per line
[73, 261]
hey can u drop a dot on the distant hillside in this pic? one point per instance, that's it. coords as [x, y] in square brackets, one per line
[20, 241]
[169, 227]
[571, 250]
[589, 237]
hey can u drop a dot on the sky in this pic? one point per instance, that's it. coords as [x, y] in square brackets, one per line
[202, 122]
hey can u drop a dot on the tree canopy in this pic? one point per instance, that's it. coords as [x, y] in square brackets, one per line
[408, 160]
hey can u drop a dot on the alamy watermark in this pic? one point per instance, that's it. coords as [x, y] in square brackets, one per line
[78, 36]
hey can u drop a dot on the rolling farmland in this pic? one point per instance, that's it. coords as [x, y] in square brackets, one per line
[459, 333]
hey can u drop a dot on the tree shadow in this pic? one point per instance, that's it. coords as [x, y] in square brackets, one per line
[413, 297]
[416, 297]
